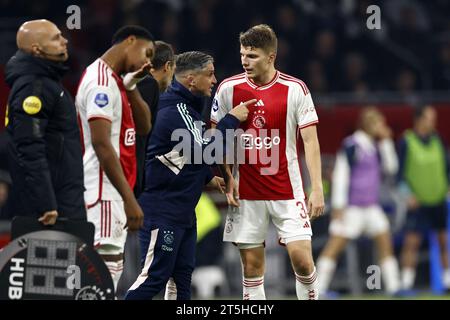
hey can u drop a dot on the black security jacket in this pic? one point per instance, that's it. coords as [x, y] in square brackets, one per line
[44, 148]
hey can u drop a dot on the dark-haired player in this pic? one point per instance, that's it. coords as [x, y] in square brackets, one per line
[111, 112]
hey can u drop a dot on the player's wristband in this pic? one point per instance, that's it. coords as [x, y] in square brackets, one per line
[129, 81]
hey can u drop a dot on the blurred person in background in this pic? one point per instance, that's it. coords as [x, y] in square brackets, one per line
[360, 164]
[423, 179]
[162, 70]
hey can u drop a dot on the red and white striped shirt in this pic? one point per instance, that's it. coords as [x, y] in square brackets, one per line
[101, 95]
[283, 106]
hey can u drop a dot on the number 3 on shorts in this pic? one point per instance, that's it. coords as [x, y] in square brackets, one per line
[303, 214]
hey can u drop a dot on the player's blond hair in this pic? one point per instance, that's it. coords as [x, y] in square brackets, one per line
[260, 36]
[367, 116]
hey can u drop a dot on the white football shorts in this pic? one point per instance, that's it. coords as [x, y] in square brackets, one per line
[249, 223]
[109, 219]
[356, 221]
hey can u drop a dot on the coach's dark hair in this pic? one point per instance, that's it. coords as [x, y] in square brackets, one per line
[192, 61]
[163, 53]
[260, 36]
[126, 31]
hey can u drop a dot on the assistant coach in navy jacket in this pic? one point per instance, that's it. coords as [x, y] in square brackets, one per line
[44, 148]
[174, 182]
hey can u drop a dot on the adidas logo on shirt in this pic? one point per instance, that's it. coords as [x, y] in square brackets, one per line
[259, 103]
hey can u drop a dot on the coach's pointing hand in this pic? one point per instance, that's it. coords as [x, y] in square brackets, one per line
[241, 110]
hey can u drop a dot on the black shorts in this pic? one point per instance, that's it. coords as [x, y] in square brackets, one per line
[425, 218]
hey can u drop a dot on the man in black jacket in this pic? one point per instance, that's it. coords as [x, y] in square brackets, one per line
[44, 149]
[150, 88]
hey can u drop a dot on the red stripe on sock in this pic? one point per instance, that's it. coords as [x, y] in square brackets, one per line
[307, 280]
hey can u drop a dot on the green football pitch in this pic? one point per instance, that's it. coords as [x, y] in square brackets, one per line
[419, 296]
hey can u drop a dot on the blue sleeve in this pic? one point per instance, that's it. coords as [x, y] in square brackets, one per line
[188, 136]
[349, 151]
[227, 122]
[159, 141]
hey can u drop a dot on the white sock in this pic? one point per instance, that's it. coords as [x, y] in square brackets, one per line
[446, 278]
[171, 290]
[325, 271]
[307, 286]
[408, 277]
[253, 288]
[390, 274]
[115, 269]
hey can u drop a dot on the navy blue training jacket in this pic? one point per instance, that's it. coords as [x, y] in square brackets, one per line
[173, 183]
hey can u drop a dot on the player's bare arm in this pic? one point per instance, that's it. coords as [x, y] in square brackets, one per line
[231, 191]
[217, 183]
[316, 204]
[141, 111]
[101, 132]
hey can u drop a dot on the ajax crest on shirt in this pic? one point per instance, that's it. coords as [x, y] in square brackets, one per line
[101, 100]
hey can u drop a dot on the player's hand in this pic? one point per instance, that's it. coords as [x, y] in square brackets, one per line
[132, 78]
[412, 203]
[49, 217]
[217, 183]
[135, 216]
[231, 191]
[337, 214]
[241, 110]
[316, 204]
[384, 132]
[143, 71]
